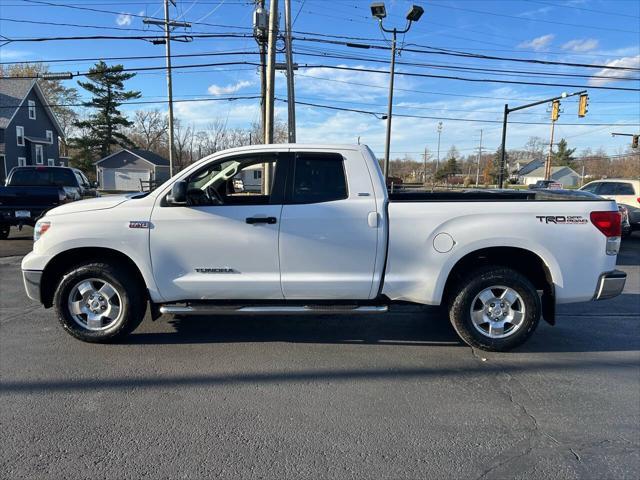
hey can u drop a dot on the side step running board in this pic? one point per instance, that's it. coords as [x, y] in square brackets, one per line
[270, 309]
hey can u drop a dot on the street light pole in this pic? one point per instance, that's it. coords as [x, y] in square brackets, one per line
[379, 11]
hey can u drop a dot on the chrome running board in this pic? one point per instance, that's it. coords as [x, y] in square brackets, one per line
[270, 309]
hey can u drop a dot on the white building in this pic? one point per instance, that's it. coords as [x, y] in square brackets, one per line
[564, 175]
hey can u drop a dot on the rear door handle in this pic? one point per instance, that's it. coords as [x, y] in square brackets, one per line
[254, 220]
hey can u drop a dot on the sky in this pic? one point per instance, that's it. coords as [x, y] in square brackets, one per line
[594, 32]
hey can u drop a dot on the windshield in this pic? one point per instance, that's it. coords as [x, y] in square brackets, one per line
[43, 177]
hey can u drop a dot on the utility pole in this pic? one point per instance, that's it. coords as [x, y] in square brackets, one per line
[291, 96]
[168, 24]
[271, 73]
[479, 158]
[424, 173]
[438, 155]
[260, 33]
[555, 113]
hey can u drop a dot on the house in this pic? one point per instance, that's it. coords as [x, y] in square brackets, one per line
[252, 178]
[526, 168]
[564, 175]
[124, 170]
[29, 130]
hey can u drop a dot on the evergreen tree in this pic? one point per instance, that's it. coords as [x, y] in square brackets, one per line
[103, 129]
[563, 156]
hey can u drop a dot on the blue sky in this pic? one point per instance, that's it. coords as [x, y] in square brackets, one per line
[601, 32]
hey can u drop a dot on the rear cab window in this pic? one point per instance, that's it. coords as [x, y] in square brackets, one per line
[318, 177]
[42, 177]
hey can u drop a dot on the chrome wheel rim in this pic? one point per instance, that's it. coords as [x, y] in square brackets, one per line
[497, 311]
[95, 304]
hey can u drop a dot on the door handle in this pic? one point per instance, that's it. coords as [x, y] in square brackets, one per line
[254, 220]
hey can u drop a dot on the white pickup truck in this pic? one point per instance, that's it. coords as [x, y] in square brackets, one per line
[319, 233]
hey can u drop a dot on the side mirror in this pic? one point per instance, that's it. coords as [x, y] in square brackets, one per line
[178, 195]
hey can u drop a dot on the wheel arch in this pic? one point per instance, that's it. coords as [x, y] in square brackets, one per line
[60, 263]
[527, 263]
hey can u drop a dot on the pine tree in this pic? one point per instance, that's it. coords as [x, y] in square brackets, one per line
[563, 156]
[103, 128]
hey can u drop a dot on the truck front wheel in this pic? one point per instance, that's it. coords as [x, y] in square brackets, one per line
[495, 309]
[99, 302]
[4, 231]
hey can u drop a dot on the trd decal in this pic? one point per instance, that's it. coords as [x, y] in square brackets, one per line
[562, 219]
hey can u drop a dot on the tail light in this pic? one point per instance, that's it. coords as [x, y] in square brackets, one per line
[610, 224]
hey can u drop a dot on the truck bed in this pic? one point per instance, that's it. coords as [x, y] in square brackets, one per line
[473, 195]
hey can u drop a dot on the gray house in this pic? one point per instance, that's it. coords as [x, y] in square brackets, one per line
[127, 169]
[29, 131]
[564, 175]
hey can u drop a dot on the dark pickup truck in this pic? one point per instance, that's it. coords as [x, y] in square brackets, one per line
[31, 191]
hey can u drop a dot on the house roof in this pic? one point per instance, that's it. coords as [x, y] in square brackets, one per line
[530, 167]
[556, 172]
[13, 92]
[146, 155]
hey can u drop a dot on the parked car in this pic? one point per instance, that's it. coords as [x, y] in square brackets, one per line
[545, 184]
[23, 205]
[624, 191]
[624, 222]
[71, 180]
[325, 237]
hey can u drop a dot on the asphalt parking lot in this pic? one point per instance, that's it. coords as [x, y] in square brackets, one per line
[395, 396]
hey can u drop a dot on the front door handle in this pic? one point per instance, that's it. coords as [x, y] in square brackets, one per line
[254, 220]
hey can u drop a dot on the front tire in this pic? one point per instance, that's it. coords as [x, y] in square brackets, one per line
[100, 302]
[4, 231]
[496, 309]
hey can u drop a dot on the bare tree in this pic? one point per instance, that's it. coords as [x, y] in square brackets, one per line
[149, 129]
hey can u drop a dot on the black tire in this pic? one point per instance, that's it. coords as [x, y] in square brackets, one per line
[132, 300]
[4, 231]
[465, 293]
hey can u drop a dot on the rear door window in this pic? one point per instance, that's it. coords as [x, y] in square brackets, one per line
[608, 188]
[592, 187]
[318, 178]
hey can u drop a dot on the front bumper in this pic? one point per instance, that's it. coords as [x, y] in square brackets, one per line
[31, 280]
[610, 284]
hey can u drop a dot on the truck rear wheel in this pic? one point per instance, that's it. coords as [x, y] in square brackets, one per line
[496, 309]
[4, 231]
[99, 302]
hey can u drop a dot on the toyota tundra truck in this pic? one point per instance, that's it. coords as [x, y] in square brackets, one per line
[321, 234]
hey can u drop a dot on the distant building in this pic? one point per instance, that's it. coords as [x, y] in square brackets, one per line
[564, 175]
[29, 130]
[127, 170]
[523, 169]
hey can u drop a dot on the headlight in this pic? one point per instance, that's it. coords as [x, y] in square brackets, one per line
[40, 229]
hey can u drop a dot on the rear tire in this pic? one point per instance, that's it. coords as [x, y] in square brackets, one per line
[495, 309]
[4, 231]
[100, 302]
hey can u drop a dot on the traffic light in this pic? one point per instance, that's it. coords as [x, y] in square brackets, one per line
[583, 103]
[555, 110]
[634, 141]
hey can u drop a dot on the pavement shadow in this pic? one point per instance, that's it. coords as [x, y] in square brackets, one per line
[412, 327]
[630, 251]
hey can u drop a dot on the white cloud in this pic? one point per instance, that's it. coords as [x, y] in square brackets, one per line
[581, 45]
[628, 62]
[538, 43]
[124, 19]
[225, 90]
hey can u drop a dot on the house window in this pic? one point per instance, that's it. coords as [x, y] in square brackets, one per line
[20, 135]
[4, 163]
[39, 155]
[49, 136]
[32, 110]
[51, 162]
[22, 162]
[257, 174]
